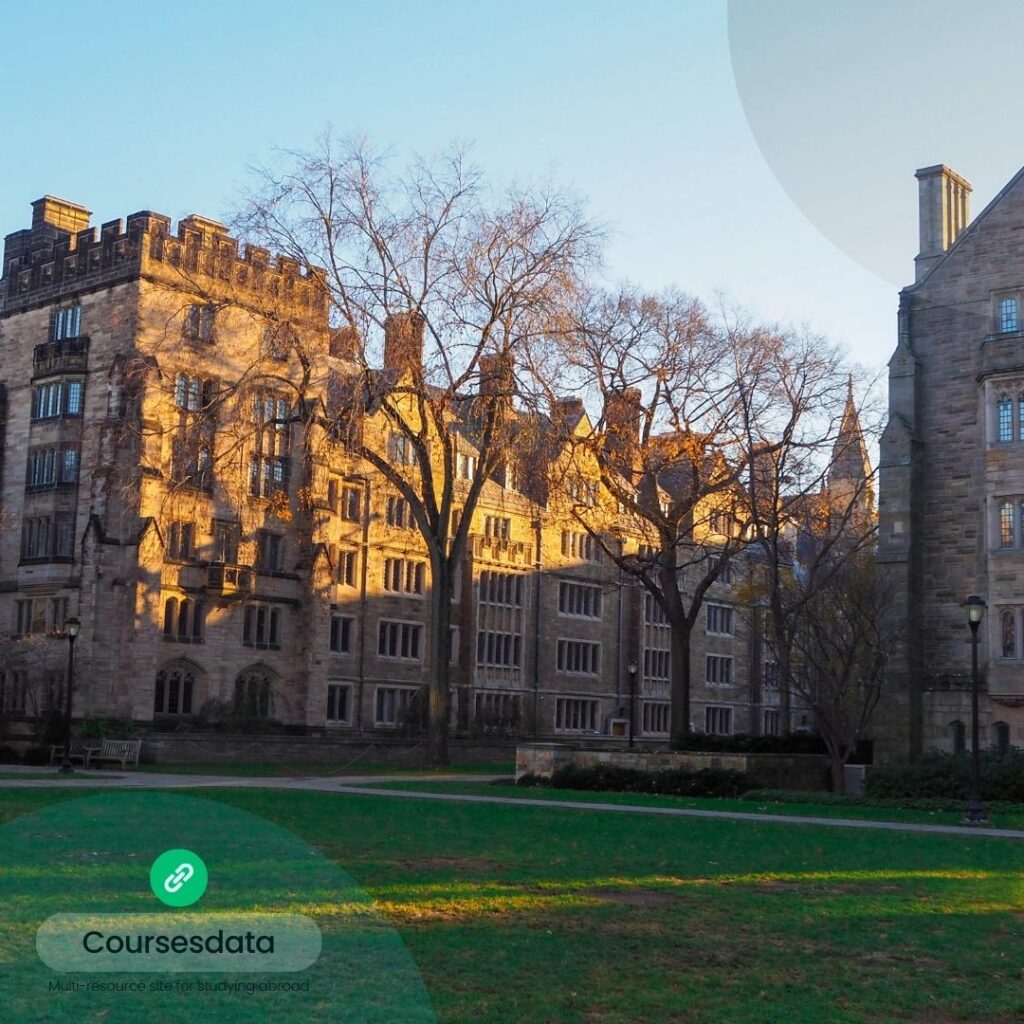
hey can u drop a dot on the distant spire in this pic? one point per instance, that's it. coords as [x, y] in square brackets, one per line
[851, 468]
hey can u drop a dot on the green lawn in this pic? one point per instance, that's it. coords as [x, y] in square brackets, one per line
[272, 769]
[575, 917]
[1000, 818]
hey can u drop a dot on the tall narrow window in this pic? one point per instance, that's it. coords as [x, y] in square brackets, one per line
[1004, 417]
[67, 323]
[1006, 535]
[1008, 320]
[1008, 632]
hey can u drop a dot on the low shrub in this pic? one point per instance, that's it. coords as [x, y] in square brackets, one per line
[37, 755]
[105, 729]
[928, 803]
[714, 782]
[744, 743]
[8, 755]
[948, 776]
[527, 780]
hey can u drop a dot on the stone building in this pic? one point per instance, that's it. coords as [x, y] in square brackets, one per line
[164, 479]
[952, 470]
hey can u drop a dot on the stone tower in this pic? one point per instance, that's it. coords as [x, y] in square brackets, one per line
[952, 470]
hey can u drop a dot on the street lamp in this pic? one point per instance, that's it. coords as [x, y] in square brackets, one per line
[975, 811]
[71, 628]
[631, 667]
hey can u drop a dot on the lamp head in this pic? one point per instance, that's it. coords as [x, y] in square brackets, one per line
[975, 609]
[71, 627]
[632, 668]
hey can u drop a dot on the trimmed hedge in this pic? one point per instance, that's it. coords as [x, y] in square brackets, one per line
[948, 776]
[744, 743]
[924, 803]
[671, 782]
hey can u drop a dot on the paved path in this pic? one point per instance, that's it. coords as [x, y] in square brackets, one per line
[376, 786]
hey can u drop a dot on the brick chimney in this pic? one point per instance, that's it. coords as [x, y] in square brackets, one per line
[944, 210]
[496, 375]
[567, 412]
[53, 220]
[403, 341]
[345, 342]
[59, 214]
[623, 414]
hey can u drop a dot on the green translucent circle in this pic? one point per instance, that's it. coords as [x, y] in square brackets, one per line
[178, 878]
[93, 856]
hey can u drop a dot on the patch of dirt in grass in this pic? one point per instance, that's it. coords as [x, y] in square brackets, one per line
[920, 962]
[454, 863]
[636, 897]
[932, 1016]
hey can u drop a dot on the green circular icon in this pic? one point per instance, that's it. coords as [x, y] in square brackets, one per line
[178, 878]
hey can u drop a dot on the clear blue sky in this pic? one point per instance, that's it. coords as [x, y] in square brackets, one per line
[125, 106]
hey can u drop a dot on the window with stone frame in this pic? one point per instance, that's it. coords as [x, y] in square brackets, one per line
[1008, 633]
[184, 620]
[269, 551]
[174, 691]
[261, 626]
[1004, 419]
[201, 322]
[180, 541]
[351, 504]
[227, 534]
[343, 629]
[56, 399]
[345, 562]
[718, 720]
[254, 694]
[13, 692]
[269, 461]
[1009, 317]
[1007, 533]
[67, 322]
[339, 703]
[404, 576]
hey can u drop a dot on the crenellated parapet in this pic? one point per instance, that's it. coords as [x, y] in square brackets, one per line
[62, 255]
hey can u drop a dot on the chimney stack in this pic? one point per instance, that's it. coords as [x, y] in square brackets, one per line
[51, 212]
[345, 343]
[403, 341]
[944, 210]
[496, 375]
[623, 414]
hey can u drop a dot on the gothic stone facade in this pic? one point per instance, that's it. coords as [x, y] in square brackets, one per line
[952, 471]
[203, 583]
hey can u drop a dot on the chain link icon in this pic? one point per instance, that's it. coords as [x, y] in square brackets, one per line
[178, 877]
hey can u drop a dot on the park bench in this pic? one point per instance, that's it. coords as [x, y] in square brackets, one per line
[125, 752]
[79, 752]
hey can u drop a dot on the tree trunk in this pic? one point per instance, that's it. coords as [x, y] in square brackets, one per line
[680, 684]
[439, 648]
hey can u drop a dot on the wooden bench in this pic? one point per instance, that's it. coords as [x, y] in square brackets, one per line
[79, 752]
[124, 752]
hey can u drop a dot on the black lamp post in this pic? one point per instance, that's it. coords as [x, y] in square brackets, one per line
[71, 628]
[975, 811]
[631, 667]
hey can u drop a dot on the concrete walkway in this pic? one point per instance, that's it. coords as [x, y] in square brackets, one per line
[376, 786]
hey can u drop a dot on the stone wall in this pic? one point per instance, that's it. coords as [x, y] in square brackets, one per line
[772, 771]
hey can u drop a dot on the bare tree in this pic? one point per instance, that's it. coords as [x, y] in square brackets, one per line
[689, 407]
[442, 281]
[839, 641]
